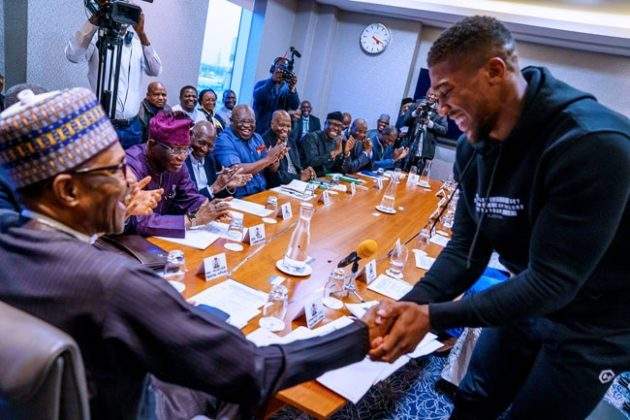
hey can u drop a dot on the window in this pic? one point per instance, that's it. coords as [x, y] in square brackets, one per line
[225, 41]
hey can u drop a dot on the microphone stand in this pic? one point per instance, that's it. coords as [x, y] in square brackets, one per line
[351, 286]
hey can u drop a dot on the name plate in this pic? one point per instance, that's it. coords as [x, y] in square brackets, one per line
[370, 271]
[286, 211]
[314, 312]
[215, 266]
[255, 235]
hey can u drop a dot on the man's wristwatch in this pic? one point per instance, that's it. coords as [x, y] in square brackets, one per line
[191, 218]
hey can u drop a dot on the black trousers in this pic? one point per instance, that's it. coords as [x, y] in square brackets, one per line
[541, 370]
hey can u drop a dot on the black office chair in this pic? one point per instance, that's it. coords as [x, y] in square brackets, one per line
[41, 370]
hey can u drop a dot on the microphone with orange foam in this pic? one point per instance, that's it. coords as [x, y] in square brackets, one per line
[366, 249]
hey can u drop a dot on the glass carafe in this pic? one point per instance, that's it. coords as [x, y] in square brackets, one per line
[389, 197]
[297, 252]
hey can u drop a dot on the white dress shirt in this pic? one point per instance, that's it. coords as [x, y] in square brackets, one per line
[135, 60]
[196, 115]
[225, 113]
[200, 173]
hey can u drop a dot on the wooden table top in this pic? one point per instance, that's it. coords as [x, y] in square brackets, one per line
[336, 231]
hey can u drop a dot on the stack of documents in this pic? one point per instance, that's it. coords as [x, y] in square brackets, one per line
[241, 302]
[423, 261]
[296, 189]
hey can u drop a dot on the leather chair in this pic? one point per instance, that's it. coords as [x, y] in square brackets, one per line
[41, 370]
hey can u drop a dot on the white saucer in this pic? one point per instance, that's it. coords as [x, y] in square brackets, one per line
[423, 184]
[379, 208]
[177, 285]
[233, 246]
[269, 220]
[307, 271]
[332, 303]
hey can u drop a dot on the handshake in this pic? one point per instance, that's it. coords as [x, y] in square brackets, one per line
[396, 328]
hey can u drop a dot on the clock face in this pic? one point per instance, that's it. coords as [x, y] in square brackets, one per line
[375, 38]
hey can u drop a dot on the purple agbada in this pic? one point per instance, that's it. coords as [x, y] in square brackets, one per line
[180, 197]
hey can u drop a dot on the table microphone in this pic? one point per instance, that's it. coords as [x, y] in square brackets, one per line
[366, 249]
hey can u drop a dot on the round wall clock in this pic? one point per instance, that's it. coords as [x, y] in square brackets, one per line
[375, 38]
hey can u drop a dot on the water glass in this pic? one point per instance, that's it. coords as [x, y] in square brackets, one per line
[397, 261]
[275, 309]
[235, 230]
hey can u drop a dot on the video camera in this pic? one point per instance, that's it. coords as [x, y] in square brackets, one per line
[286, 69]
[426, 109]
[115, 15]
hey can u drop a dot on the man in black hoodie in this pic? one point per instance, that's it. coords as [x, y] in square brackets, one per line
[544, 172]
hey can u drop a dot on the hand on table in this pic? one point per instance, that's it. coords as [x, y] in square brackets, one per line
[212, 210]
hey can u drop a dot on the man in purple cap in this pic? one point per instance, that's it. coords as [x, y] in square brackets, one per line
[163, 158]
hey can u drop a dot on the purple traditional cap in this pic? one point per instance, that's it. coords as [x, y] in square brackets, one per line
[44, 135]
[172, 128]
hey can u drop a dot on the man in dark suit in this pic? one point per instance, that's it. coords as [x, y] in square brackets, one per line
[289, 166]
[307, 123]
[203, 168]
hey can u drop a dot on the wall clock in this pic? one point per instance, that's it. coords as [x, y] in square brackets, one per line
[375, 38]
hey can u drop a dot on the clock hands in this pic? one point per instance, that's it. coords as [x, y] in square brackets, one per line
[378, 41]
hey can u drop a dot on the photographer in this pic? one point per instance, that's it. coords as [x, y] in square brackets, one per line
[424, 124]
[277, 92]
[137, 57]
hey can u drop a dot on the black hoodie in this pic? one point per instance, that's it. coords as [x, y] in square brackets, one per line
[552, 200]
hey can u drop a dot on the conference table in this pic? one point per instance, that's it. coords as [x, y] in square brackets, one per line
[336, 230]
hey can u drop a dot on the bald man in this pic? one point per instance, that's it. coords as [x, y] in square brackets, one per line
[153, 102]
[203, 168]
[289, 166]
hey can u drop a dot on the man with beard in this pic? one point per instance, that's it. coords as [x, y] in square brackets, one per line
[239, 145]
[357, 148]
[162, 158]
[229, 102]
[289, 167]
[188, 104]
[127, 321]
[322, 150]
[381, 124]
[203, 168]
[544, 173]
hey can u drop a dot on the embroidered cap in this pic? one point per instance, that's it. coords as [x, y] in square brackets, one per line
[171, 128]
[44, 135]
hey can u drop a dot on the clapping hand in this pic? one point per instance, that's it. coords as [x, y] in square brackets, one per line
[400, 153]
[349, 145]
[232, 177]
[140, 202]
[212, 210]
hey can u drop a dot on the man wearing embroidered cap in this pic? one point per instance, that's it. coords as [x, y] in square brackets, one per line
[322, 150]
[163, 158]
[62, 153]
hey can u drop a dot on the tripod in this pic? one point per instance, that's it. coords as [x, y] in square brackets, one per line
[109, 44]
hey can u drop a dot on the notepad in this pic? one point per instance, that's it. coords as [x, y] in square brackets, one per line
[423, 261]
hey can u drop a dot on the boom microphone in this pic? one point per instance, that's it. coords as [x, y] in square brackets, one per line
[366, 249]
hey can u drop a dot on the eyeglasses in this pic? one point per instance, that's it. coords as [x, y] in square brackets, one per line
[175, 151]
[122, 166]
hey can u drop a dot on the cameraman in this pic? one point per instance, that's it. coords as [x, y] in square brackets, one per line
[424, 124]
[137, 57]
[277, 92]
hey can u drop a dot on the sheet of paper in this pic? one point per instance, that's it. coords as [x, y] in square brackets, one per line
[297, 185]
[241, 302]
[390, 368]
[427, 345]
[423, 261]
[353, 381]
[262, 337]
[359, 309]
[390, 287]
[293, 194]
[247, 207]
[439, 239]
[199, 239]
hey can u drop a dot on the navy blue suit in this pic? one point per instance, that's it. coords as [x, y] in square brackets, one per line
[211, 173]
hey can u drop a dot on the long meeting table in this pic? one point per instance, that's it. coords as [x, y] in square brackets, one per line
[336, 230]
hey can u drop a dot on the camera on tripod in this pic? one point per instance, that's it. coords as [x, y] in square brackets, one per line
[286, 70]
[115, 15]
[426, 109]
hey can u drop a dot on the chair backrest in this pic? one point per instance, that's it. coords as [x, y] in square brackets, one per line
[41, 370]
